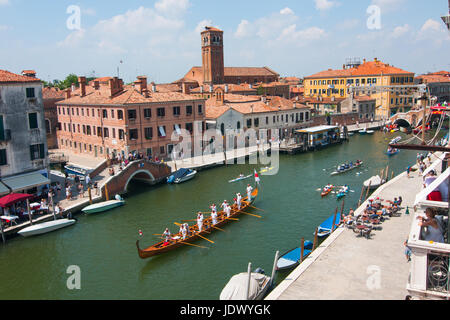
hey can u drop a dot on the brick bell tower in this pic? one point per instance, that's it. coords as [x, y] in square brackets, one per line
[212, 56]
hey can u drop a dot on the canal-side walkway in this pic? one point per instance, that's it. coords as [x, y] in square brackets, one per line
[348, 267]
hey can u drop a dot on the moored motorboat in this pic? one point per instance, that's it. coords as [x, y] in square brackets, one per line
[370, 132]
[76, 170]
[291, 258]
[181, 175]
[46, 227]
[103, 206]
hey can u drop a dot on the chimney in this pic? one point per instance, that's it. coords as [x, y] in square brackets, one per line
[72, 87]
[153, 87]
[226, 88]
[201, 89]
[210, 88]
[142, 84]
[364, 60]
[96, 84]
[112, 86]
[185, 88]
[250, 86]
[82, 82]
[67, 93]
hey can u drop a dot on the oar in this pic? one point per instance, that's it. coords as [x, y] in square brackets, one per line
[204, 238]
[218, 228]
[255, 215]
[190, 244]
[188, 220]
[232, 218]
[256, 208]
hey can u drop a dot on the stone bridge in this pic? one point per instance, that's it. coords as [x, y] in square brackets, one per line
[413, 117]
[142, 170]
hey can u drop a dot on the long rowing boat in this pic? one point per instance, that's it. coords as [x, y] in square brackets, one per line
[354, 166]
[193, 234]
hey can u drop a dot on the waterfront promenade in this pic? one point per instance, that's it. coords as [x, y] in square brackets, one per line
[348, 267]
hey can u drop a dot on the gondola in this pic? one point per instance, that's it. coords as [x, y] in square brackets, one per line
[177, 241]
[355, 165]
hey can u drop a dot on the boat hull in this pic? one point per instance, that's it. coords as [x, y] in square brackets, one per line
[46, 227]
[346, 170]
[103, 206]
[158, 248]
[186, 178]
[291, 258]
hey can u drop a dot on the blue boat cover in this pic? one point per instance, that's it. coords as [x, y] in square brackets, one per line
[327, 224]
[294, 255]
[178, 174]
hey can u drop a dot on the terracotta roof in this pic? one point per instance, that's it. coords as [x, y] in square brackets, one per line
[9, 77]
[370, 68]
[441, 76]
[248, 71]
[298, 90]
[211, 29]
[168, 87]
[129, 95]
[249, 104]
[52, 93]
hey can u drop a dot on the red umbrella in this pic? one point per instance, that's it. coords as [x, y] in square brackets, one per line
[12, 198]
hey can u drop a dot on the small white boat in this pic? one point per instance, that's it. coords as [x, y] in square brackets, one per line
[370, 132]
[46, 227]
[186, 177]
[374, 182]
[395, 140]
[103, 206]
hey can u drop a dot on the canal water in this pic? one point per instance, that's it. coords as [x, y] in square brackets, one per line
[103, 245]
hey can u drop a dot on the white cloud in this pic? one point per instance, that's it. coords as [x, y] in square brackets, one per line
[292, 34]
[172, 8]
[388, 5]
[400, 31]
[4, 27]
[4, 2]
[434, 32]
[325, 4]
[244, 29]
[74, 39]
[202, 24]
[286, 11]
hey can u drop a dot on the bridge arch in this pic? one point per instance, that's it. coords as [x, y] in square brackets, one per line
[142, 175]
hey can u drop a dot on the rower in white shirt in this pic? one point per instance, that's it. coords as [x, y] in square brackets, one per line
[214, 217]
[200, 221]
[238, 200]
[227, 210]
[249, 192]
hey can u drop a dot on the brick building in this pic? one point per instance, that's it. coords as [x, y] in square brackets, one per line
[108, 117]
[213, 70]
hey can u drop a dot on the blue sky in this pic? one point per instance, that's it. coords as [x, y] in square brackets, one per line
[161, 38]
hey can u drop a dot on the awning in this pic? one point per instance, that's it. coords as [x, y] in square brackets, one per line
[12, 198]
[421, 197]
[25, 181]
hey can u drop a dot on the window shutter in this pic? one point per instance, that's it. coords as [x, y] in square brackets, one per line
[41, 151]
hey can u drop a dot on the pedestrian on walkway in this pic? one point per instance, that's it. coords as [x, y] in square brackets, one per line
[80, 190]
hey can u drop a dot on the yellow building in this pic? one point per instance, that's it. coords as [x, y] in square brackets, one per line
[337, 83]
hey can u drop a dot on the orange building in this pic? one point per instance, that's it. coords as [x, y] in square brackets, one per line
[108, 117]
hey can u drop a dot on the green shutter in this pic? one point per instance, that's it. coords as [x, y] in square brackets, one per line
[31, 153]
[3, 160]
[32, 119]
